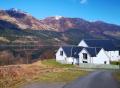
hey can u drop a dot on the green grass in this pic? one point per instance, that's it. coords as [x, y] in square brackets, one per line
[65, 76]
[53, 63]
[115, 62]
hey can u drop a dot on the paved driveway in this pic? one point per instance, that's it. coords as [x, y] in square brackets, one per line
[99, 79]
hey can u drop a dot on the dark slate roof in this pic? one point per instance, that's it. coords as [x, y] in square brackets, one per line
[67, 50]
[93, 51]
[104, 43]
[73, 51]
[76, 51]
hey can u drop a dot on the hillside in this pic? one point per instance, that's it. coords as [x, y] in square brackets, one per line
[13, 19]
[20, 30]
[22, 19]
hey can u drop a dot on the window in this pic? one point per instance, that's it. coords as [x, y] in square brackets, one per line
[61, 53]
[85, 62]
[84, 55]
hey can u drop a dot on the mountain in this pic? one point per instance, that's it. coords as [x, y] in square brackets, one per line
[62, 24]
[74, 29]
[22, 19]
[56, 29]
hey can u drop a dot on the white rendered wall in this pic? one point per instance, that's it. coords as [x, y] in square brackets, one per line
[64, 58]
[76, 60]
[101, 58]
[114, 55]
[59, 57]
[81, 59]
[70, 60]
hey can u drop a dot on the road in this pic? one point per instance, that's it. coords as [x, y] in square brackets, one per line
[99, 79]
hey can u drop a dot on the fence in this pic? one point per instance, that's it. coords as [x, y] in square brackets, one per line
[96, 66]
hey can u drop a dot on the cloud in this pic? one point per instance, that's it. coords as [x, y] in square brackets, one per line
[83, 1]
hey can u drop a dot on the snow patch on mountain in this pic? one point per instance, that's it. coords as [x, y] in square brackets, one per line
[17, 11]
[58, 17]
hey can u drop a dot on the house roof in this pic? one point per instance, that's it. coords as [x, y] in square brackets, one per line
[73, 51]
[104, 43]
[76, 51]
[93, 51]
[67, 50]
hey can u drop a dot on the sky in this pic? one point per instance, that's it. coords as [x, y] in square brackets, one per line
[91, 10]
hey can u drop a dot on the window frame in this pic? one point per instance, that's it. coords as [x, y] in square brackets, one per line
[61, 53]
[85, 56]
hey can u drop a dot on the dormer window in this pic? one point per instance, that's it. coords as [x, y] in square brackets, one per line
[61, 53]
[85, 55]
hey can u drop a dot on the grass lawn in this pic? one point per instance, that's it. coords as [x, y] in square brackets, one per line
[42, 71]
[65, 76]
[66, 73]
[53, 63]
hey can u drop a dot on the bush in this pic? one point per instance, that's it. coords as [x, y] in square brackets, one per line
[115, 62]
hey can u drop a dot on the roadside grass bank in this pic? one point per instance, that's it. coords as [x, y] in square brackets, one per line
[117, 75]
[15, 76]
[65, 76]
[53, 63]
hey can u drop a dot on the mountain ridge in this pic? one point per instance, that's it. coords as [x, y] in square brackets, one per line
[55, 29]
[54, 23]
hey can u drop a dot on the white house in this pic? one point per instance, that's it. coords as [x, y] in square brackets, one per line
[89, 51]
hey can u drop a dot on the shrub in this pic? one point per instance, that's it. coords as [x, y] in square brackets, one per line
[115, 62]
